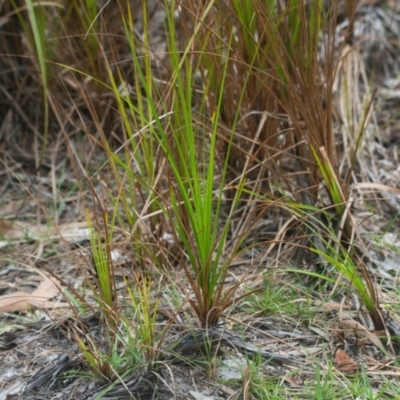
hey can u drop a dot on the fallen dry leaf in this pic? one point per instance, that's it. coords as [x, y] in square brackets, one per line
[292, 382]
[39, 298]
[18, 230]
[332, 305]
[344, 363]
[21, 231]
[227, 390]
[72, 232]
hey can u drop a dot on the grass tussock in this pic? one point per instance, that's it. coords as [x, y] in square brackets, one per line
[213, 145]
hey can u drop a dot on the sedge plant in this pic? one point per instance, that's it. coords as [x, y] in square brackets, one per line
[197, 180]
[281, 57]
[99, 356]
[130, 340]
[278, 57]
[192, 196]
